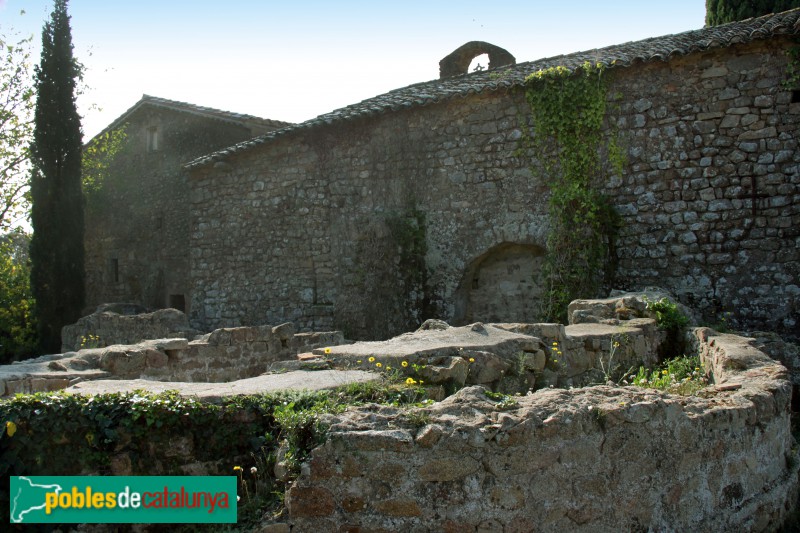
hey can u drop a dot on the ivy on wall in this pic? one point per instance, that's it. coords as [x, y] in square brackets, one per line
[567, 109]
[792, 81]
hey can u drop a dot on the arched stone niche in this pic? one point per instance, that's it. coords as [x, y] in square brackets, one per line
[501, 285]
[457, 62]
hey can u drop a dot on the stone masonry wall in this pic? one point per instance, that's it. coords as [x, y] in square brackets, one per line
[223, 355]
[304, 226]
[595, 459]
[229, 354]
[137, 224]
[104, 328]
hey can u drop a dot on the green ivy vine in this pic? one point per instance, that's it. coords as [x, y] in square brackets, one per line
[792, 81]
[567, 109]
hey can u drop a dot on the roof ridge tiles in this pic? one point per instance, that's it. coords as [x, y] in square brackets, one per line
[187, 107]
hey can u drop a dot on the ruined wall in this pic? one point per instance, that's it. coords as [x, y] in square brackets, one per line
[238, 353]
[305, 226]
[105, 328]
[223, 355]
[594, 459]
[137, 224]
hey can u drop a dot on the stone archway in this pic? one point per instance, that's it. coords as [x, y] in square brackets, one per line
[501, 285]
[457, 62]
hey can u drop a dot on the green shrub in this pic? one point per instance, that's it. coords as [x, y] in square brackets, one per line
[681, 375]
[668, 316]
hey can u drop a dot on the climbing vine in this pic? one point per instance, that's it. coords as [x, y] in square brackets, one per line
[567, 110]
[792, 81]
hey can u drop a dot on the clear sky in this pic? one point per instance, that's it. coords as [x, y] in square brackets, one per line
[293, 60]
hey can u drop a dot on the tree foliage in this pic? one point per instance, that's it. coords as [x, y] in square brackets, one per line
[724, 11]
[17, 326]
[16, 125]
[57, 273]
[99, 157]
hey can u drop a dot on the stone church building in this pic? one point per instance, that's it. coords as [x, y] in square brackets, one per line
[138, 222]
[422, 201]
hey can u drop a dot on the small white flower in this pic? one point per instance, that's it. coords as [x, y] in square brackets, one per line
[253, 470]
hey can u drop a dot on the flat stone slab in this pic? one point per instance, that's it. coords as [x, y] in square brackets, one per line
[297, 380]
[593, 330]
[42, 375]
[432, 342]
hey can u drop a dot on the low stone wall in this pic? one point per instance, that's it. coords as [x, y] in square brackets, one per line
[237, 353]
[600, 458]
[220, 356]
[106, 327]
[591, 353]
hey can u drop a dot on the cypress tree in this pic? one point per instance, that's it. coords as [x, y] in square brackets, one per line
[57, 276]
[724, 11]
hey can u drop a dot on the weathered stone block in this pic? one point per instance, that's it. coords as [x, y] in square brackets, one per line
[309, 502]
[156, 359]
[398, 507]
[447, 469]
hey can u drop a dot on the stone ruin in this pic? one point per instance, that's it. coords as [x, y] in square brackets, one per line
[567, 447]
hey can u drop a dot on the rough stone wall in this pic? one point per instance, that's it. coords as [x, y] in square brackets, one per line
[593, 459]
[301, 227]
[106, 328]
[223, 355]
[237, 353]
[711, 196]
[137, 225]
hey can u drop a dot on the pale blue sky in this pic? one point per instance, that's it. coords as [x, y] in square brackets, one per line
[294, 60]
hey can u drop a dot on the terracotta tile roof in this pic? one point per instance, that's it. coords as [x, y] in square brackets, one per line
[621, 55]
[208, 112]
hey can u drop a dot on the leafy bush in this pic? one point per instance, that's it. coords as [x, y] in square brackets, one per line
[88, 432]
[668, 316]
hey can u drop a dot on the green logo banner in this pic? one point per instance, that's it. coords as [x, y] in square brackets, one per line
[123, 499]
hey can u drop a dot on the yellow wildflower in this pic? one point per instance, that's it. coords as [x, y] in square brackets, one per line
[359, 361]
[471, 359]
[664, 372]
[410, 381]
[237, 468]
[404, 364]
[327, 350]
[378, 365]
[371, 359]
[11, 428]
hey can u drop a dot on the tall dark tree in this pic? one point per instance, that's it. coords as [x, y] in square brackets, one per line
[57, 276]
[724, 11]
